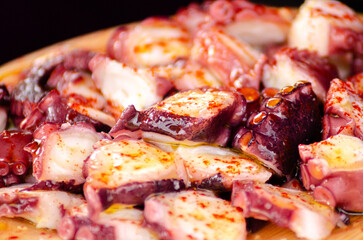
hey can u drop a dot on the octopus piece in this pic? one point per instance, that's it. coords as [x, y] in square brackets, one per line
[49, 185]
[194, 215]
[54, 109]
[332, 169]
[236, 64]
[216, 168]
[289, 65]
[14, 161]
[153, 42]
[122, 85]
[44, 208]
[331, 29]
[127, 171]
[283, 122]
[187, 75]
[289, 208]
[81, 93]
[343, 110]
[59, 151]
[200, 115]
[33, 87]
[236, 19]
[116, 223]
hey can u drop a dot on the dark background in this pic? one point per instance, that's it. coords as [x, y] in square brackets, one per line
[28, 25]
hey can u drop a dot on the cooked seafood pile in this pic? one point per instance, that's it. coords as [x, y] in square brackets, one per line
[188, 125]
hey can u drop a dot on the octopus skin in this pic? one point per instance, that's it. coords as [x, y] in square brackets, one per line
[200, 115]
[236, 19]
[211, 167]
[53, 108]
[33, 87]
[343, 110]
[193, 215]
[81, 93]
[289, 208]
[152, 42]
[331, 29]
[44, 208]
[14, 161]
[289, 65]
[127, 171]
[332, 169]
[235, 63]
[59, 151]
[116, 223]
[283, 122]
[122, 85]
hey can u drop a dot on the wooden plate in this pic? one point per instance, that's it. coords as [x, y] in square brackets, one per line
[20, 229]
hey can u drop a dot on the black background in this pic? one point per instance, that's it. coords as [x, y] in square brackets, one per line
[28, 25]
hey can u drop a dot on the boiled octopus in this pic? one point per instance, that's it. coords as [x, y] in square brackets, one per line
[44, 208]
[127, 171]
[216, 168]
[290, 208]
[33, 87]
[331, 29]
[236, 19]
[14, 161]
[59, 151]
[289, 65]
[332, 169]
[200, 115]
[152, 42]
[122, 85]
[283, 122]
[81, 93]
[235, 63]
[179, 215]
[116, 223]
[343, 110]
[53, 108]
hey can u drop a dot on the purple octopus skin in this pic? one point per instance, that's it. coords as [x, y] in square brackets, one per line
[28, 92]
[343, 110]
[290, 208]
[283, 122]
[131, 193]
[116, 224]
[197, 115]
[333, 170]
[54, 109]
[49, 185]
[14, 161]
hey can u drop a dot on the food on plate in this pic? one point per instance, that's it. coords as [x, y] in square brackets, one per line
[183, 127]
